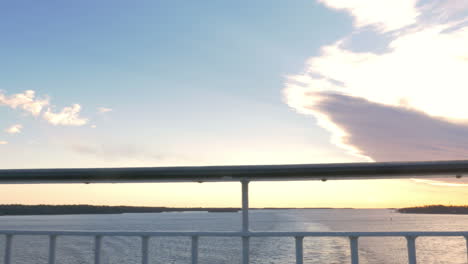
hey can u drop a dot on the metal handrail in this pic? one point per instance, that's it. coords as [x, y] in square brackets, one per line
[332, 171]
[237, 234]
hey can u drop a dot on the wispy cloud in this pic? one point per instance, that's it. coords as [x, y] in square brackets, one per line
[384, 15]
[14, 129]
[104, 109]
[68, 116]
[116, 151]
[26, 101]
[441, 183]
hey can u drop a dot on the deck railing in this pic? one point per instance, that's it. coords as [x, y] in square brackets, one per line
[298, 238]
[243, 174]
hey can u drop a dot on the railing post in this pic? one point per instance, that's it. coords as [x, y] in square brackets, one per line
[411, 242]
[194, 249]
[52, 242]
[245, 222]
[299, 250]
[245, 250]
[97, 249]
[245, 206]
[466, 240]
[144, 249]
[354, 249]
[7, 256]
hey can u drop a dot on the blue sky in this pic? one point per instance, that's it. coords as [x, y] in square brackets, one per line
[180, 78]
[167, 83]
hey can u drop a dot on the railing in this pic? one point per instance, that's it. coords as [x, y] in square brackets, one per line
[244, 174]
[298, 236]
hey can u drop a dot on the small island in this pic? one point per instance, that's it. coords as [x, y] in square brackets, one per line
[434, 209]
[18, 209]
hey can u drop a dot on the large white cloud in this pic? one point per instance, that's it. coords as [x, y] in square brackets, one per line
[426, 69]
[411, 96]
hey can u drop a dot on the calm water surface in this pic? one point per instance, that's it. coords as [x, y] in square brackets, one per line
[70, 250]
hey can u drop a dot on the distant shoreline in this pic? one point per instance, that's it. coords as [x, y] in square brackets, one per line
[18, 209]
[434, 209]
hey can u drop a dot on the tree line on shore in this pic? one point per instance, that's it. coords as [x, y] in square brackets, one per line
[18, 209]
[435, 209]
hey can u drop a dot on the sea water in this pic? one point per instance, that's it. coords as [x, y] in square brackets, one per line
[385, 250]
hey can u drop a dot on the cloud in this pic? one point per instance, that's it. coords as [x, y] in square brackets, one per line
[385, 15]
[69, 116]
[3, 142]
[423, 69]
[116, 152]
[401, 102]
[26, 101]
[449, 183]
[104, 110]
[14, 129]
[444, 11]
[389, 133]
[395, 15]
[426, 69]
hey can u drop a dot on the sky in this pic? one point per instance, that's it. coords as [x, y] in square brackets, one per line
[170, 83]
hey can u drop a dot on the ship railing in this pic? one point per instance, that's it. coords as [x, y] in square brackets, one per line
[245, 236]
[244, 175]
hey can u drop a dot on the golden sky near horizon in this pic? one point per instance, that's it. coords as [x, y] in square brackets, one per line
[339, 193]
